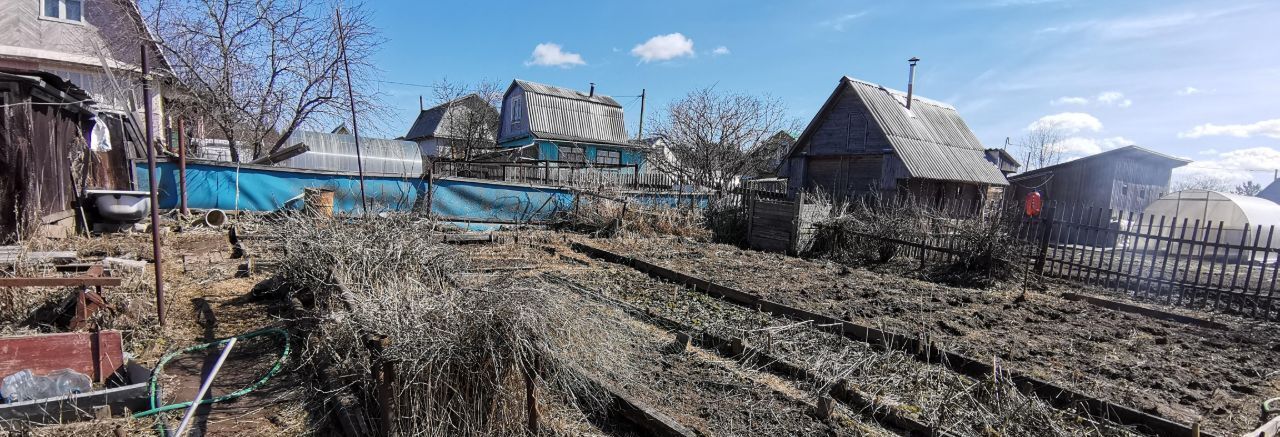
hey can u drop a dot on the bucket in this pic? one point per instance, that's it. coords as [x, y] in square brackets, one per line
[318, 201]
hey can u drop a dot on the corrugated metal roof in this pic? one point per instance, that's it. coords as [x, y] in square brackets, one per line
[570, 115]
[1132, 152]
[338, 152]
[930, 138]
[434, 123]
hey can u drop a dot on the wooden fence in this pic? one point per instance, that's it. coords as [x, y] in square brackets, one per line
[780, 225]
[1173, 260]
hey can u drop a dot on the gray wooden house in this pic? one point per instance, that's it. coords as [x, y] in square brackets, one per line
[1271, 191]
[453, 129]
[868, 138]
[1125, 179]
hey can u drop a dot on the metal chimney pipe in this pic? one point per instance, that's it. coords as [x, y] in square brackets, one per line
[593, 90]
[911, 80]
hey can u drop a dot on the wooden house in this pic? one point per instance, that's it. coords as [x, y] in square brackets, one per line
[1125, 179]
[867, 138]
[1003, 161]
[79, 40]
[559, 124]
[455, 128]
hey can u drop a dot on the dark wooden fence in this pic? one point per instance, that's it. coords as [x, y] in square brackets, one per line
[1178, 261]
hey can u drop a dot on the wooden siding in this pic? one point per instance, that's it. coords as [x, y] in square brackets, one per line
[845, 175]
[784, 226]
[1136, 184]
[847, 128]
[1119, 184]
[514, 103]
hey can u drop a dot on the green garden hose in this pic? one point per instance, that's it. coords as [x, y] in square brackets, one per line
[153, 389]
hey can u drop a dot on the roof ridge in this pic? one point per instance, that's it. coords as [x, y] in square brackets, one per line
[903, 94]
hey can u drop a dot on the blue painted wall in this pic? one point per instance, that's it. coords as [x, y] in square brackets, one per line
[550, 150]
[214, 186]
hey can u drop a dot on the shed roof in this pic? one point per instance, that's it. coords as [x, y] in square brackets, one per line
[931, 139]
[1271, 192]
[438, 121]
[557, 113]
[1130, 152]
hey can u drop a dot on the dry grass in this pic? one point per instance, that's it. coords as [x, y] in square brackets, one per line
[460, 351]
[604, 216]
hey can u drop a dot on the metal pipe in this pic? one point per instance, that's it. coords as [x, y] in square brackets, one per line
[204, 388]
[154, 182]
[911, 80]
[182, 167]
[355, 129]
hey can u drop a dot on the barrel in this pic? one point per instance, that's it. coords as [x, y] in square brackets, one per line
[318, 201]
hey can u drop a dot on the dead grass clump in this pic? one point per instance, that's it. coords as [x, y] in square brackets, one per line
[863, 231]
[460, 353]
[602, 216]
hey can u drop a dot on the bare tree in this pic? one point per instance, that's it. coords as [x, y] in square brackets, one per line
[714, 135]
[1041, 147]
[468, 125]
[257, 70]
[1202, 182]
[1248, 188]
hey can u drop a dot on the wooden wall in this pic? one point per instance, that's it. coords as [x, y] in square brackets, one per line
[783, 226]
[845, 153]
[1120, 184]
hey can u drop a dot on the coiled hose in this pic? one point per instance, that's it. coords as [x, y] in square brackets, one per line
[153, 388]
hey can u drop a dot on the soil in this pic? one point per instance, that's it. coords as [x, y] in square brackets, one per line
[1178, 371]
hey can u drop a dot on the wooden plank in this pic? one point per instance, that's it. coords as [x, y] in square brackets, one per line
[1270, 429]
[96, 354]
[77, 407]
[81, 281]
[10, 257]
[1150, 312]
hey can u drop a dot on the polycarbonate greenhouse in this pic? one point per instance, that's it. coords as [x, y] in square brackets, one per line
[1206, 211]
[337, 152]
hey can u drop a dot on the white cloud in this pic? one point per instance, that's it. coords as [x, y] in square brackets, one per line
[1209, 151]
[1188, 91]
[1236, 166]
[1269, 128]
[1065, 100]
[722, 50]
[663, 48]
[1069, 122]
[1114, 98]
[552, 55]
[838, 23]
[1078, 146]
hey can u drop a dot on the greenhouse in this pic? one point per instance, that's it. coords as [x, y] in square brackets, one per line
[1212, 216]
[337, 152]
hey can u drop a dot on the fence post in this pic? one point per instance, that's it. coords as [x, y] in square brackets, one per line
[795, 224]
[750, 200]
[1046, 224]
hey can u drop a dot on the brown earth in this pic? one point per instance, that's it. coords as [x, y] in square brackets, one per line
[1182, 372]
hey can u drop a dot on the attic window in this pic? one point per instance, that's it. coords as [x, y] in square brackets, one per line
[1124, 189]
[69, 10]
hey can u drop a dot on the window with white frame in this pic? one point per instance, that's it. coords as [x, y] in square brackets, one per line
[572, 154]
[70, 10]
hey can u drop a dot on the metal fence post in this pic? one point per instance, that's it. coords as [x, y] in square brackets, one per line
[1046, 224]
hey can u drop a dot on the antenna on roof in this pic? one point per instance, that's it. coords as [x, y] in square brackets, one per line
[593, 90]
[911, 79]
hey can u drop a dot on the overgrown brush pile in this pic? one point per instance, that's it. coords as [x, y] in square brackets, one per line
[972, 248]
[461, 352]
[606, 217]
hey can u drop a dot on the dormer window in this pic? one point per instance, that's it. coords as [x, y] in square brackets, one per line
[69, 10]
[517, 110]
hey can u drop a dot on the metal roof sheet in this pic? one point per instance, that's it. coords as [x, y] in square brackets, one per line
[1133, 152]
[565, 114]
[930, 138]
[433, 122]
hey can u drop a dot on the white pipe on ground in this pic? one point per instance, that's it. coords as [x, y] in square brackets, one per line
[204, 388]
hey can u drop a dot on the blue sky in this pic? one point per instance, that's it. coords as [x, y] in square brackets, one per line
[1192, 79]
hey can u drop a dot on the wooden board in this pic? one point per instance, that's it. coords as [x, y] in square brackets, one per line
[95, 354]
[77, 407]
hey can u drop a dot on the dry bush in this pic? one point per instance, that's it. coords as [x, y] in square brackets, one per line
[727, 220]
[860, 232]
[987, 250]
[603, 216]
[460, 352]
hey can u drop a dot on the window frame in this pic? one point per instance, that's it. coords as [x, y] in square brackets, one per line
[579, 151]
[615, 154]
[62, 12]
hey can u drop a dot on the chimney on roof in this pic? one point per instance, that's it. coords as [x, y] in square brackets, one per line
[911, 80]
[593, 90]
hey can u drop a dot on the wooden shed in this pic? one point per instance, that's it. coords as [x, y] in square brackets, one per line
[1125, 179]
[866, 138]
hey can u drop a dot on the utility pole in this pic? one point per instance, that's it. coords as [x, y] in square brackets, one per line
[640, 134]
[155, 187]
[355, 129]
